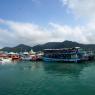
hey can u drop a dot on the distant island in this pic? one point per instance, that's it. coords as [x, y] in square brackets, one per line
[49, 45]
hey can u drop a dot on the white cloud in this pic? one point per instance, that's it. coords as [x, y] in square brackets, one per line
[1, 21]
[26, 33]
[5, 38]
[65, 32]
[38, 2]
[30, 34]
[82, 8]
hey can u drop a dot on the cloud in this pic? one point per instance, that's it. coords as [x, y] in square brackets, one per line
[38, 2]
[5, 37]
[65, 32]
[26, 33]
[13, 33]
[84, 8]
[1, 21]
[30, 34]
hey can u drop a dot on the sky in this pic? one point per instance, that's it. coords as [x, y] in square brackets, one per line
[33, 22]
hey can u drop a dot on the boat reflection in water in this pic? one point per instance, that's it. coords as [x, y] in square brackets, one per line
[68, 69]
[5, 60]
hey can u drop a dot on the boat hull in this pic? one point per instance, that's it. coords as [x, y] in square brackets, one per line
[60, 60]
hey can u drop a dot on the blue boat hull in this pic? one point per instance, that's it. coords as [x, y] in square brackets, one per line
[60, 60]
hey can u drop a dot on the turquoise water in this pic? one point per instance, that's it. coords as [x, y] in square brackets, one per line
[39, 78]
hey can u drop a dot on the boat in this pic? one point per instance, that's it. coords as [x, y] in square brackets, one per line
[39, 55]
[33, 55]
[14, 56]
[5, 60]
[63, 55]
[25, 56]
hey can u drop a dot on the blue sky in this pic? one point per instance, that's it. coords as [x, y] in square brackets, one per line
[46, 20]
[36, 11]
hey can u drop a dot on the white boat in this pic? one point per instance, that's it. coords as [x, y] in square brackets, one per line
[5, 60]
[40, 55]
[26, 57]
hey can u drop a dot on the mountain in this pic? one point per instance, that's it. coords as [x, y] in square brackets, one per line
[56, 45]
[22, 47]
[50, 45]
[65, 44]
[47, 46]
[19, 48]
[6, 49]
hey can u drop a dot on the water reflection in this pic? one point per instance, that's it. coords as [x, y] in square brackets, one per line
[39, 78]
[33, 66]
[68, 69]
[71, 69]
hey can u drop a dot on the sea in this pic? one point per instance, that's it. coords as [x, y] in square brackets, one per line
[47, 78]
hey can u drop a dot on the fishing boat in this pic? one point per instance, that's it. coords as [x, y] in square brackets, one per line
[63, 55]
